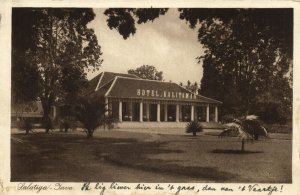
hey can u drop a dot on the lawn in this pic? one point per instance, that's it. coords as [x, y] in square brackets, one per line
[138, 157]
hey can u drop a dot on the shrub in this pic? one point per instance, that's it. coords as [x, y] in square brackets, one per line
[273, 112]
[110, 122]
[25, 124]
[64, 125]
[228, 118]
[194, 127]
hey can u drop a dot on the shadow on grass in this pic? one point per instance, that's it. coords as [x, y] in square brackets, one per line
[218, 151]
[196, 172]
[136, 155]
[55, 150]
[28, 158]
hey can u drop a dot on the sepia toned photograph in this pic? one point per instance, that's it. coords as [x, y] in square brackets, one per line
[152, 95]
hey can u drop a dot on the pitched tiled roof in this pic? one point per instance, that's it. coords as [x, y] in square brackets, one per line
[149, 89]
[102, 91]
[93, 84]
[108, 76]
[130, 86]
[102, 79]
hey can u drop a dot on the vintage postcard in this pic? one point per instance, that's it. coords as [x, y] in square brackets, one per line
[147, 97]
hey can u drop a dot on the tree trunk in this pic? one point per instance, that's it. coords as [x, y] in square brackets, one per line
[194, 133]
[47, 105]
[47, 124]
[89, 134]
[243, 143]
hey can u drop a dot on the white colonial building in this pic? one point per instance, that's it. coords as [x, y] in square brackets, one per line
[130, 98]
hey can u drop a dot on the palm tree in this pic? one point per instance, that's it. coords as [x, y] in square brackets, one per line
[249, 128]
[194, 127]
[91, 113]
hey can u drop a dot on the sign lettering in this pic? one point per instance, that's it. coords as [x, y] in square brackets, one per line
[165, 94]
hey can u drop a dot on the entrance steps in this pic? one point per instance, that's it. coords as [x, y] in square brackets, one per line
[166, 125]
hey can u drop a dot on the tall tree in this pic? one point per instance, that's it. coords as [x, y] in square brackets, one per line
[147, 72]
[247, 53]
[24, 74]
[59, 48]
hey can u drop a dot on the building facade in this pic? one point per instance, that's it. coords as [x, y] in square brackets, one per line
[31, 110]
[130, 98]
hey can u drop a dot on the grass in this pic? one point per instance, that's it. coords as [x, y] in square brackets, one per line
[277, 128]
[137, 157]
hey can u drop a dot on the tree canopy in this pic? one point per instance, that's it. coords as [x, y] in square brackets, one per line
[147, 72]
[123, 19]
[55, 45]
[247, 58]
[192, 87]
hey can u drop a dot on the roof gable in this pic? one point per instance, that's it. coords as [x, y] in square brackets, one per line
[109, 76]
[102, 79]
[103, 90]
[93, 84]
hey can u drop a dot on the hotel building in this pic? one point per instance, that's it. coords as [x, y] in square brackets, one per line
[130, 98]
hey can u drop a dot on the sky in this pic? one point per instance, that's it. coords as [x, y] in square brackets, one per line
[167, 43]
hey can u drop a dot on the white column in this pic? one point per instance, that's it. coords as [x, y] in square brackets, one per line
[131, 111]
[158, 112]
[110, 108]
[196, 113]
[120, 111]
[192, 113]
[147, 111]
[166, 112]
[177, 112]
[207, 113]
[106, 106]
[141, 111]
[180, 113]
[216, 113]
